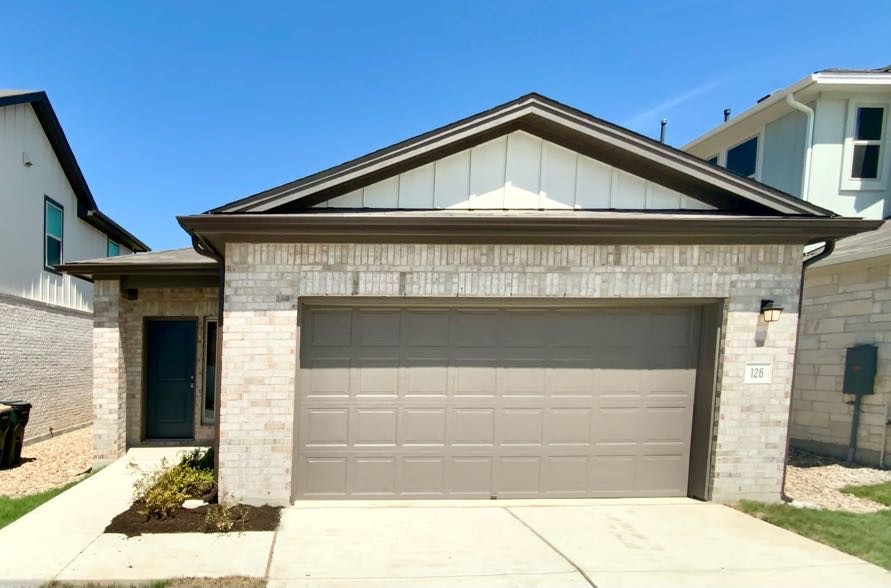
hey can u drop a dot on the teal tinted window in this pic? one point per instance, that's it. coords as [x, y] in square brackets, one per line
[113, 249]
[53, 223]
[53, 220]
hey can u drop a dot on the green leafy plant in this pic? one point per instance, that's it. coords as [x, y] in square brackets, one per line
[224, 517]
[162, 491]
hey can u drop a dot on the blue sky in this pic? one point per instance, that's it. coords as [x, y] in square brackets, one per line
[175, 107]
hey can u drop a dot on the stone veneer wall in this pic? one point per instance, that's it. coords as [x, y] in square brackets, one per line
[118, 359]
[45, 359]
[844, 305]
[265, 283]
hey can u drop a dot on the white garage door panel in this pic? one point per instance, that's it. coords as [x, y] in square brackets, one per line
[451, 402]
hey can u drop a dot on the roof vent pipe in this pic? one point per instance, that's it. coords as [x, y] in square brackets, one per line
[808, 143]
[662, 124]
[726, 114]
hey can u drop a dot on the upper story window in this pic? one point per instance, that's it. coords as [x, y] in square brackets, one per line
[867, 142]
[713, 160]
[743, 159]
[53, 226]
[865, 156]
[113, 249]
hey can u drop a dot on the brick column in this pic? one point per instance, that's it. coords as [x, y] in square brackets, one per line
[109, 375]
[259, 364]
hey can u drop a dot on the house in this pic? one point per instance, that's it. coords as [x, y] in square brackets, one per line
[49, 217]
[527, 302]
[824, 139]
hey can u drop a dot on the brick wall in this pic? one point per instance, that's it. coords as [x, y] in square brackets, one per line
[844, 305]
[265, 282]
[45, 359]
[118, 363]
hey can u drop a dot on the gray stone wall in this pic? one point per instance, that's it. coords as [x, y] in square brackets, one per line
[266, 282]
[844, 305]
[45, 359]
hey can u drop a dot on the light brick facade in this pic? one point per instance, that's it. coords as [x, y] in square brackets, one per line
[266, 282]
[844, 305]
[45, 359]
[118, 364]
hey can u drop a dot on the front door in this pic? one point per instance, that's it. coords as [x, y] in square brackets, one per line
[170, 379]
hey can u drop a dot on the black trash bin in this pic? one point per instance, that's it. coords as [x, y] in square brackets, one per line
[5, 424]
[15, 435]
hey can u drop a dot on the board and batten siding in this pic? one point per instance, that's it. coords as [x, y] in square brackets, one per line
[517, 171]
[22, 191]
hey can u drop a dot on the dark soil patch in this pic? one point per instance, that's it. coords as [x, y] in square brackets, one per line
[131, 523]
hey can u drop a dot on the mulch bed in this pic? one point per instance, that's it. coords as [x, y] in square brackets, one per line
[132, 524]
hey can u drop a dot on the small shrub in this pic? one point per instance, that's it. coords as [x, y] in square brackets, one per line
[224, 517]
[163, 490]
[199, 459]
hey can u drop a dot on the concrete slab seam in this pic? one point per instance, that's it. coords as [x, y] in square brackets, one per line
[552, 546]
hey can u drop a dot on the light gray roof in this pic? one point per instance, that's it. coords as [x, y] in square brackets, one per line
[187, 255]
[863, 246]
[171, 261]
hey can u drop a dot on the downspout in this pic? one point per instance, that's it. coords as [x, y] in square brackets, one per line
[828, 248]
[204, 248]
[808, 144]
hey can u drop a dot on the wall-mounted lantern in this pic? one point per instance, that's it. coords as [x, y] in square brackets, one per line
[770, 311]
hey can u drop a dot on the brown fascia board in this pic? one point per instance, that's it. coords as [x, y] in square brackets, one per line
[607, 229]
[98, 271]
[552, 121]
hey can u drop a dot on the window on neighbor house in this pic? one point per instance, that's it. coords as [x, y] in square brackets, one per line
[210, 371]
[713, 160]
[867, 143]
[113, 249]
[53, 217]
[743, 159]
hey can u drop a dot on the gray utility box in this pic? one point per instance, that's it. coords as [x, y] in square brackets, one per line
[860, 370]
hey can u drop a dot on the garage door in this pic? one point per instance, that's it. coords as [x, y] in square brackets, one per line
[456, 402]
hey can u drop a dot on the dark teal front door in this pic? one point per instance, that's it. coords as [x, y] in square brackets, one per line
[170, 379]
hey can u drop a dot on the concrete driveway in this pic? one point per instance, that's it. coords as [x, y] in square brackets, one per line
[543, 544]
[426, 544]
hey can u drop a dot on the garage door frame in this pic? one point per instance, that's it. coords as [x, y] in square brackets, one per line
[708, 365]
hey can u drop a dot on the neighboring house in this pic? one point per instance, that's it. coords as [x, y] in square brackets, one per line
[49, 217]
[527, 302]
[825, 140]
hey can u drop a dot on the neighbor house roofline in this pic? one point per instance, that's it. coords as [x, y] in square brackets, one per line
[552, 121]
[87, 209]
[833, 77]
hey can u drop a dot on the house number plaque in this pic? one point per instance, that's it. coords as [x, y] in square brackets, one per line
[758, 373]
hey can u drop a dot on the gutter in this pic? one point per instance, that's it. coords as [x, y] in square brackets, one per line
[204, 248]
[808, 143]
[828, 248]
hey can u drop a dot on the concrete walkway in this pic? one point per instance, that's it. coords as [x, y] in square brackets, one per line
[63, 539]
[430, 544]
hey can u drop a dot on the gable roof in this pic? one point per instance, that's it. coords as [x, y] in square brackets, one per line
[87, 209]
[555, 122]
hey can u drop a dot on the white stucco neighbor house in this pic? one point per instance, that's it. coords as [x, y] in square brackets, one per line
[824, 139]
[529, 302]
[49, 217]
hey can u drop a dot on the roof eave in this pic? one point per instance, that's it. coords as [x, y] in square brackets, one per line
[774, 98]
[220, 229]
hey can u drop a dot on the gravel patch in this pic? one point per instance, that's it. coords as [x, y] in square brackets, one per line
[814, 481]
[50, 463]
